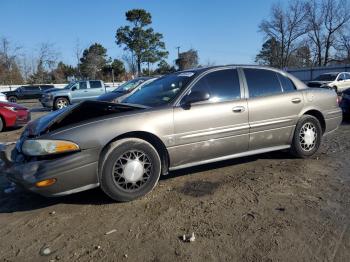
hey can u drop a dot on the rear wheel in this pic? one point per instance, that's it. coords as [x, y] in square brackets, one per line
[307, 137]
[61, 103]
[131, 168]
[1, 124]
[12, 99]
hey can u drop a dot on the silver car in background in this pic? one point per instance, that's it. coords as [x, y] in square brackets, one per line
[180, 120]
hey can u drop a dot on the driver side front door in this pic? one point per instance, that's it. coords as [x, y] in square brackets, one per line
[212, 129]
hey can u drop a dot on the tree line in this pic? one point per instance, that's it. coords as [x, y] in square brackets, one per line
[141, 44]
[306, 33]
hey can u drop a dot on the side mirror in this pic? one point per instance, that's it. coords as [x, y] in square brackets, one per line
[194, 97]
[74, 88]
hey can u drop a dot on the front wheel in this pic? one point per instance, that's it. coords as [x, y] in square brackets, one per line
[307, 137]
[131, 168]
[61, 103]
[12, 99]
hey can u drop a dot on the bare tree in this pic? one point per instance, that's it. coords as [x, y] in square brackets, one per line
[130, 61]
[78, 52]
[326, 19]
[343, 46]
[336, 16]
[315, 13]
[287, 26]
[47, 55]
[10, 72]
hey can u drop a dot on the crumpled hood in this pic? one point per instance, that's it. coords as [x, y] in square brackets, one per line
[82, 112]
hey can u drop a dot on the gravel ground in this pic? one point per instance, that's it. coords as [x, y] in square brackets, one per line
[270, 207]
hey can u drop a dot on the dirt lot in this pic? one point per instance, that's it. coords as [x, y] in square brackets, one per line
[269, 207]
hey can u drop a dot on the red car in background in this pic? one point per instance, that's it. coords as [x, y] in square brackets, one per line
[12, 115]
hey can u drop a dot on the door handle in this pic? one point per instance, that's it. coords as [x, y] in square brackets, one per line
[296, 100]
[238, 109]
[85, 91]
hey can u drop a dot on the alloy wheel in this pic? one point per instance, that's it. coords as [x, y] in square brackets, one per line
[61, 103]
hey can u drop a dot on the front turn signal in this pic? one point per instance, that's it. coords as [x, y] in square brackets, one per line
[46, 182]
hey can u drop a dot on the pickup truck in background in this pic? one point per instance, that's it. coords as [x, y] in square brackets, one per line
[27, 92]
[58, 98]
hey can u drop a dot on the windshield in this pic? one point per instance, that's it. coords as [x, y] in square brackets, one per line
[161, 91]
[326, 77]
[129, 85]
[69, 85]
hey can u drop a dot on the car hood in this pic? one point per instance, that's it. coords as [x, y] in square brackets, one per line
[109, 97]
[8, 104]
[83, 112]
[55, 90]
[8, 92]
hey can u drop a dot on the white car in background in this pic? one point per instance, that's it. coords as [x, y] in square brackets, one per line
[3, 98]
[337, 81]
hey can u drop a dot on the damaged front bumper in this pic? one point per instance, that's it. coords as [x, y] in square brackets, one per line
[73, 173]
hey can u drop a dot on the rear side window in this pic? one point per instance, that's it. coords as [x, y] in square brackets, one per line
[95, 84]
[46, 87]
[222, 85]
[31, 88]
[262, 82]
[286, 83]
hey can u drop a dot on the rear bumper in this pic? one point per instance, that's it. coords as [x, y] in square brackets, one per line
[333, 120]
[73, 173]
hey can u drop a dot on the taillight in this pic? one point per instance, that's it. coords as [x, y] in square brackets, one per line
[339, 99]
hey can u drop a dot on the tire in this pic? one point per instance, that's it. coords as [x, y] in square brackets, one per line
[1, 124]
[335, 89]
[12, 99]
[60, 103]
[308, 146]
[131, 168]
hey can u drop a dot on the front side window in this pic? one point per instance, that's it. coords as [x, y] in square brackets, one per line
[326, 77]
[31, 88]
[262, 82]
[286, 83]
[341, 77]
[222, 85]
[95, 84]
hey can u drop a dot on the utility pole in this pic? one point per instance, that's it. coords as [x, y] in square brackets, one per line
[113, 76]
[178, 51]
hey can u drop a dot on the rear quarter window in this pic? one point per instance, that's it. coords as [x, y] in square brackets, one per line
[287, 84]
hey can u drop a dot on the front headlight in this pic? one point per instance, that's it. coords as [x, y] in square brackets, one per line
[48, 147]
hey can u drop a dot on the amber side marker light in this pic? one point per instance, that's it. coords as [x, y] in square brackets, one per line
[45, 183]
